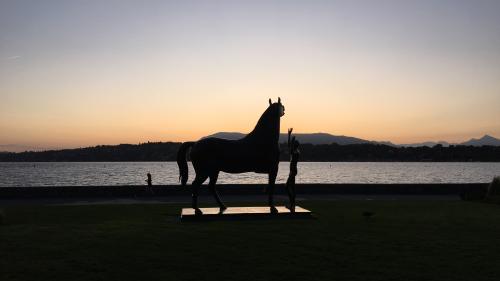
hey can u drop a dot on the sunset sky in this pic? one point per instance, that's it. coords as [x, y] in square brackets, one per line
[82, 73]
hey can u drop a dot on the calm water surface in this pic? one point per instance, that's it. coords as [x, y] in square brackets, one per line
[134, 173]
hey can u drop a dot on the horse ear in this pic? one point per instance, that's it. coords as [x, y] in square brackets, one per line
[279, 100]
[270, 102]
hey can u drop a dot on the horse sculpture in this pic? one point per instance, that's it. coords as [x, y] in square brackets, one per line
[257, 152]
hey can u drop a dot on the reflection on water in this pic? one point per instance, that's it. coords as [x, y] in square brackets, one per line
[134, 173]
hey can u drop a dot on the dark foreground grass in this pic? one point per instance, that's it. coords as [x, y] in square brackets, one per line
[405, 240]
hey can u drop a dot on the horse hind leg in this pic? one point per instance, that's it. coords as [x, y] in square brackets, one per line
[197, 182]
[213, 190]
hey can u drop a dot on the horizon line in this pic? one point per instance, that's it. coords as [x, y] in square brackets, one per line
[51, 148]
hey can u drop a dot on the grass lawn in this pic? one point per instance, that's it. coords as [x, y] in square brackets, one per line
[405, 240]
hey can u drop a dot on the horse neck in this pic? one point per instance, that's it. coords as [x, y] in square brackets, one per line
[267, 129]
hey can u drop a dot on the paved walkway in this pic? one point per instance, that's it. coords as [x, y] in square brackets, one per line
[209, 199]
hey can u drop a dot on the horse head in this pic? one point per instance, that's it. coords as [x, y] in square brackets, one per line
[278, 108]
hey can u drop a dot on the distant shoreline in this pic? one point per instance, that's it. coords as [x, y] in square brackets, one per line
[281, 161]
[149, 152]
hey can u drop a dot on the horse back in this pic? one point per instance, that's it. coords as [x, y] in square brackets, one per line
[234, 156]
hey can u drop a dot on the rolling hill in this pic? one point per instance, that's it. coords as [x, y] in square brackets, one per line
[325, 138]
[314, 138]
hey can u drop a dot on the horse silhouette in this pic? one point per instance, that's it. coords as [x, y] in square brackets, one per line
[256, 152]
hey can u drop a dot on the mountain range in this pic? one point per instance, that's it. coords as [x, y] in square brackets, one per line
[314, 138]
[325, 138]
[167, 151]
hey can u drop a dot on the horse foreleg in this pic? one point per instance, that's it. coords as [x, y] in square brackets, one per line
[270, 190]
[213, 190]
[194, 196]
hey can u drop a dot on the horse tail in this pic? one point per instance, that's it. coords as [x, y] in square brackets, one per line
[182, 162]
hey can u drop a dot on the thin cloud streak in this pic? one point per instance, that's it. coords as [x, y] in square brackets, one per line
[13, 58]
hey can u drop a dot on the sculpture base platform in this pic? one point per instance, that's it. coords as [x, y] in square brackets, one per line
[244, 213]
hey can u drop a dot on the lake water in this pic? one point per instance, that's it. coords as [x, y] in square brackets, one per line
[134, 173]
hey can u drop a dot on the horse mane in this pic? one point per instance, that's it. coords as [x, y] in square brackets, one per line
[267, 128]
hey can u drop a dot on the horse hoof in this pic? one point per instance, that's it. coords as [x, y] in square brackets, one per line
[198, 212]
[273, 210]
[222, 209]
[291, 208]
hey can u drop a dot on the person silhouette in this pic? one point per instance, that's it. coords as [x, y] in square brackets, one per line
[294, 151]
[149, 181]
